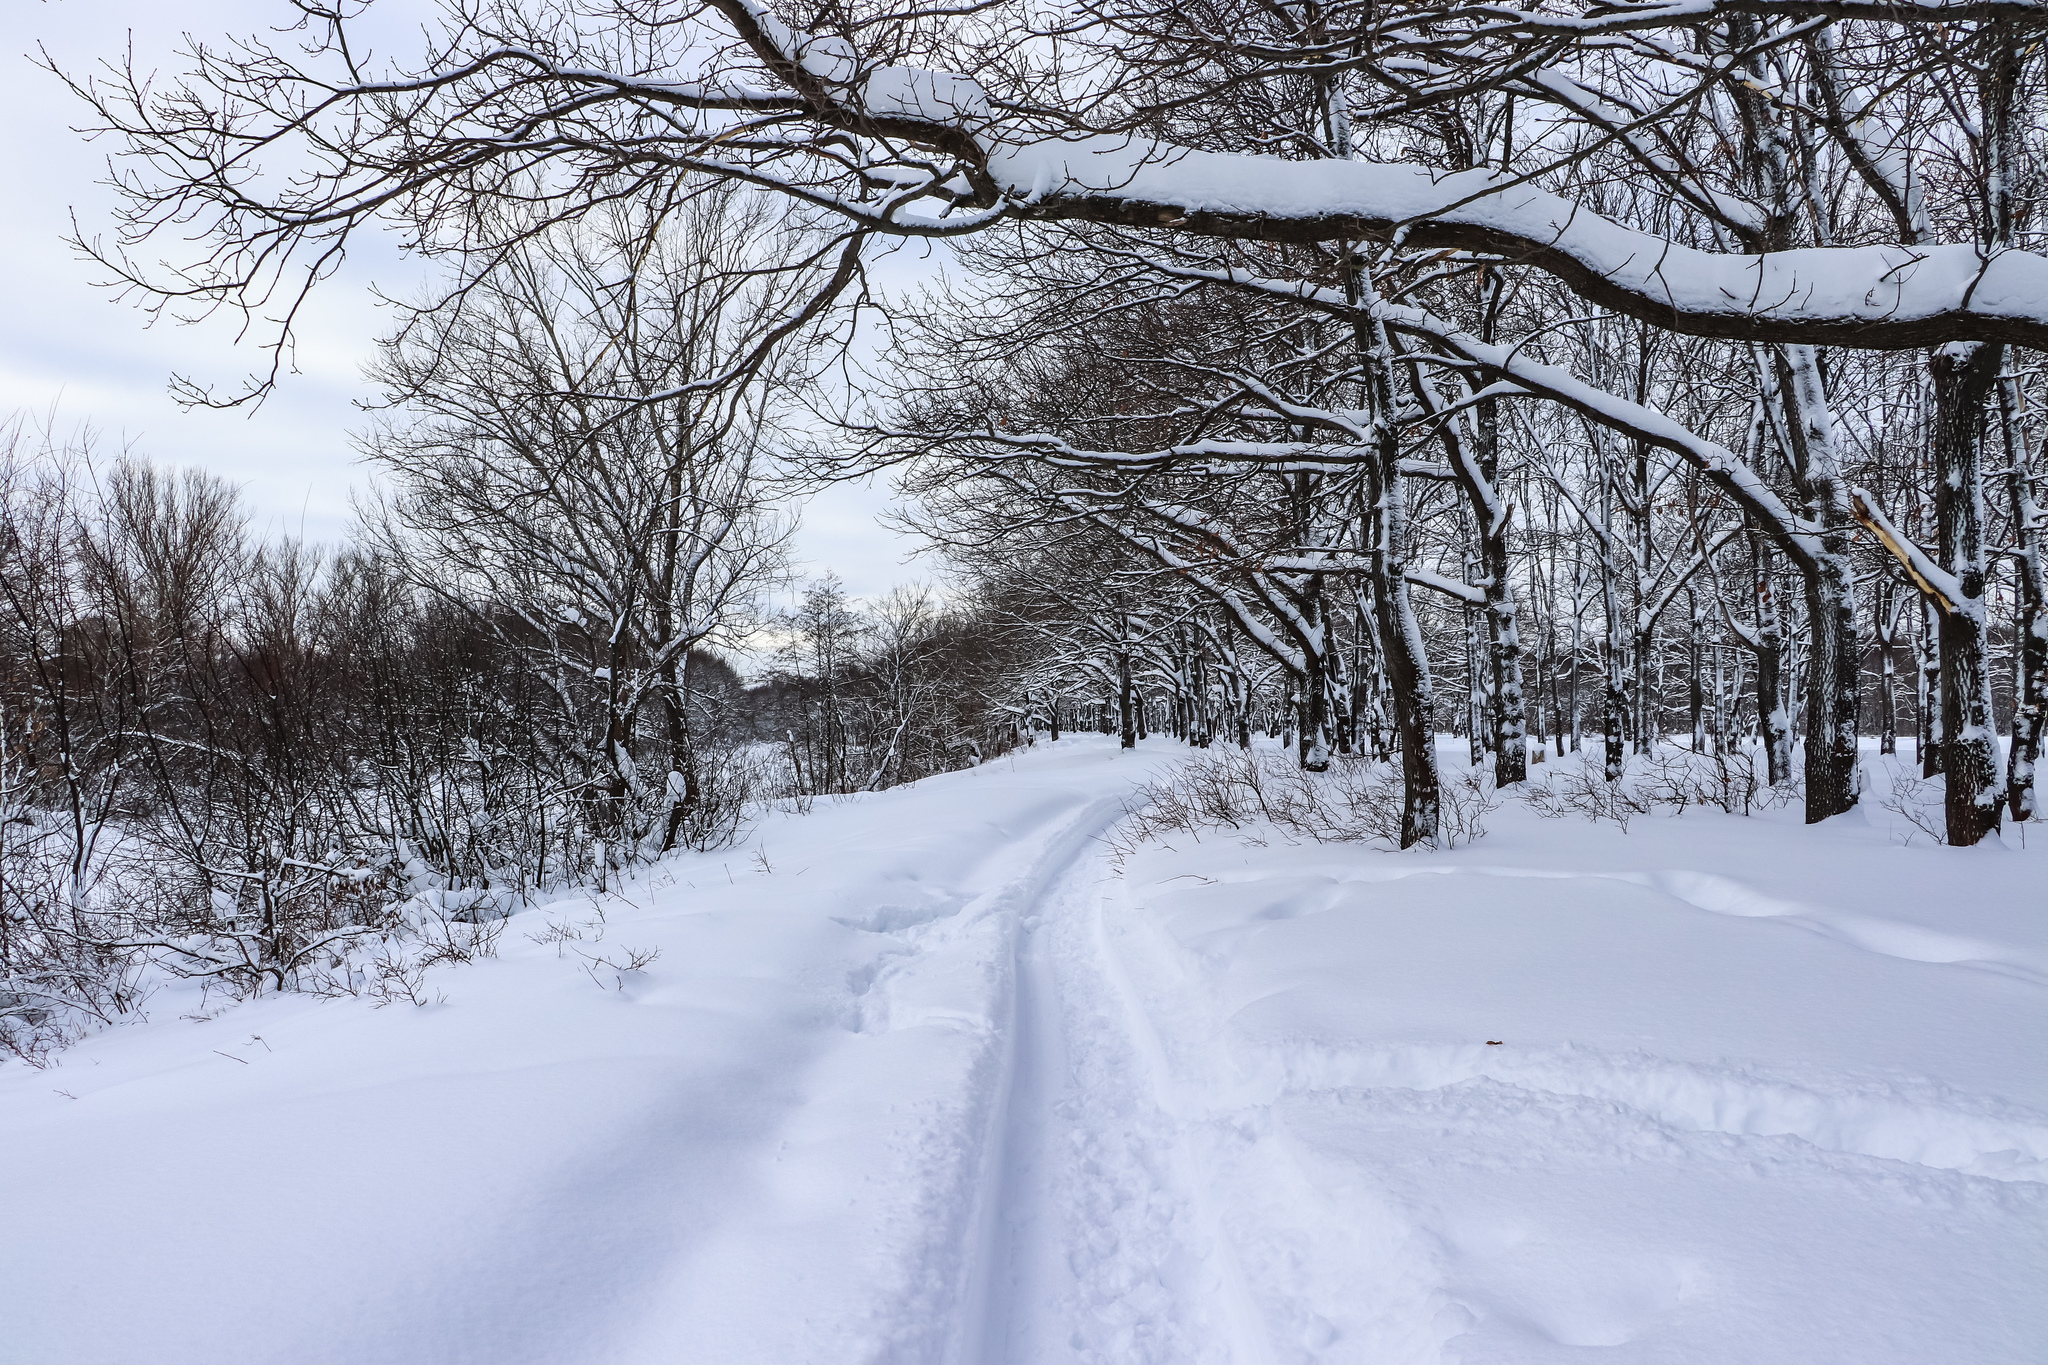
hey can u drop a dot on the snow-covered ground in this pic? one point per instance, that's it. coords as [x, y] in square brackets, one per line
[934, 1079]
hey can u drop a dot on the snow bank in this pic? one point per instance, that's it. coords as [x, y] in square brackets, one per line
[1715, 1089]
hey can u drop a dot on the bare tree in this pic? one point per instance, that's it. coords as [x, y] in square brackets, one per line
[580, 466]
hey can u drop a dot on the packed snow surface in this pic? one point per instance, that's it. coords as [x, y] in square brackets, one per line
[931, 1076]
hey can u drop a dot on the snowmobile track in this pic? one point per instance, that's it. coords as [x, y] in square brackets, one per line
[1095, 1240]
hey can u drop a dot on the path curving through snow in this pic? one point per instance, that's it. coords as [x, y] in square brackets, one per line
[926, 1078]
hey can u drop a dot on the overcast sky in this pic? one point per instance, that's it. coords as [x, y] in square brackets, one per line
[70, 349]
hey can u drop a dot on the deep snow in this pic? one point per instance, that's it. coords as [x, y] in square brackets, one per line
[936, 1079]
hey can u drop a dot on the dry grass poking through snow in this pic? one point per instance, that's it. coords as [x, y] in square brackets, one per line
[1667, 782]
[1264, 793]
[1261, 793]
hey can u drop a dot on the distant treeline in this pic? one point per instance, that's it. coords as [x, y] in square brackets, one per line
[241, 759]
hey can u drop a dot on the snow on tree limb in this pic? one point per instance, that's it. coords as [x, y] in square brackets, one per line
[265, 161]
[1875, 297]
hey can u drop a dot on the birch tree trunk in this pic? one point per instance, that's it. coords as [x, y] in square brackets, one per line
[1774, 727]
[1696, 660]
[1478, 662]
[1927, 691]
[2030, 620]
[1613, 650]
[1509, 710]
[1885, 619]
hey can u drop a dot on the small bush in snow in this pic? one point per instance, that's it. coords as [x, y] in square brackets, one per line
[1583, 790]
[1668, 781]
[1916, 800]
[1261, 792]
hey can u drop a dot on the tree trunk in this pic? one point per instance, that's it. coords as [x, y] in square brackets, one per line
[1343, 717]
[1128, 722]
[1509, 709]
[1774, 727]
[1315, 716]
[1649, 692]
[1696, 665]
[1400, 634]
[1963, 378]
[2030, 619]
[675, 704]
[1315, 633]
[1477, 721]
[1834, 775]
[1572, 677]
[1613, 666]
[1885, 618]
[1927, 693]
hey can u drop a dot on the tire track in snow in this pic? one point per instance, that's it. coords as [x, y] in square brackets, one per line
[1096, 1241]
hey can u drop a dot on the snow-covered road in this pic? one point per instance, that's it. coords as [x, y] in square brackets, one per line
[928, 1077]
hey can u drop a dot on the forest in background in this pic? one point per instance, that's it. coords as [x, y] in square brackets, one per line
[1659, 378]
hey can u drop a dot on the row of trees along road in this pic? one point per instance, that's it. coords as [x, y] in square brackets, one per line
[1304, 337]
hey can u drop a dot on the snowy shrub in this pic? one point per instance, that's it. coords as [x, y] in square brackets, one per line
[727, 783]
[1668, 781]
[1583, 790]
[1916, 800]
[60, 975]
[1731, 781]
[1260, 792]
[396, 969]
